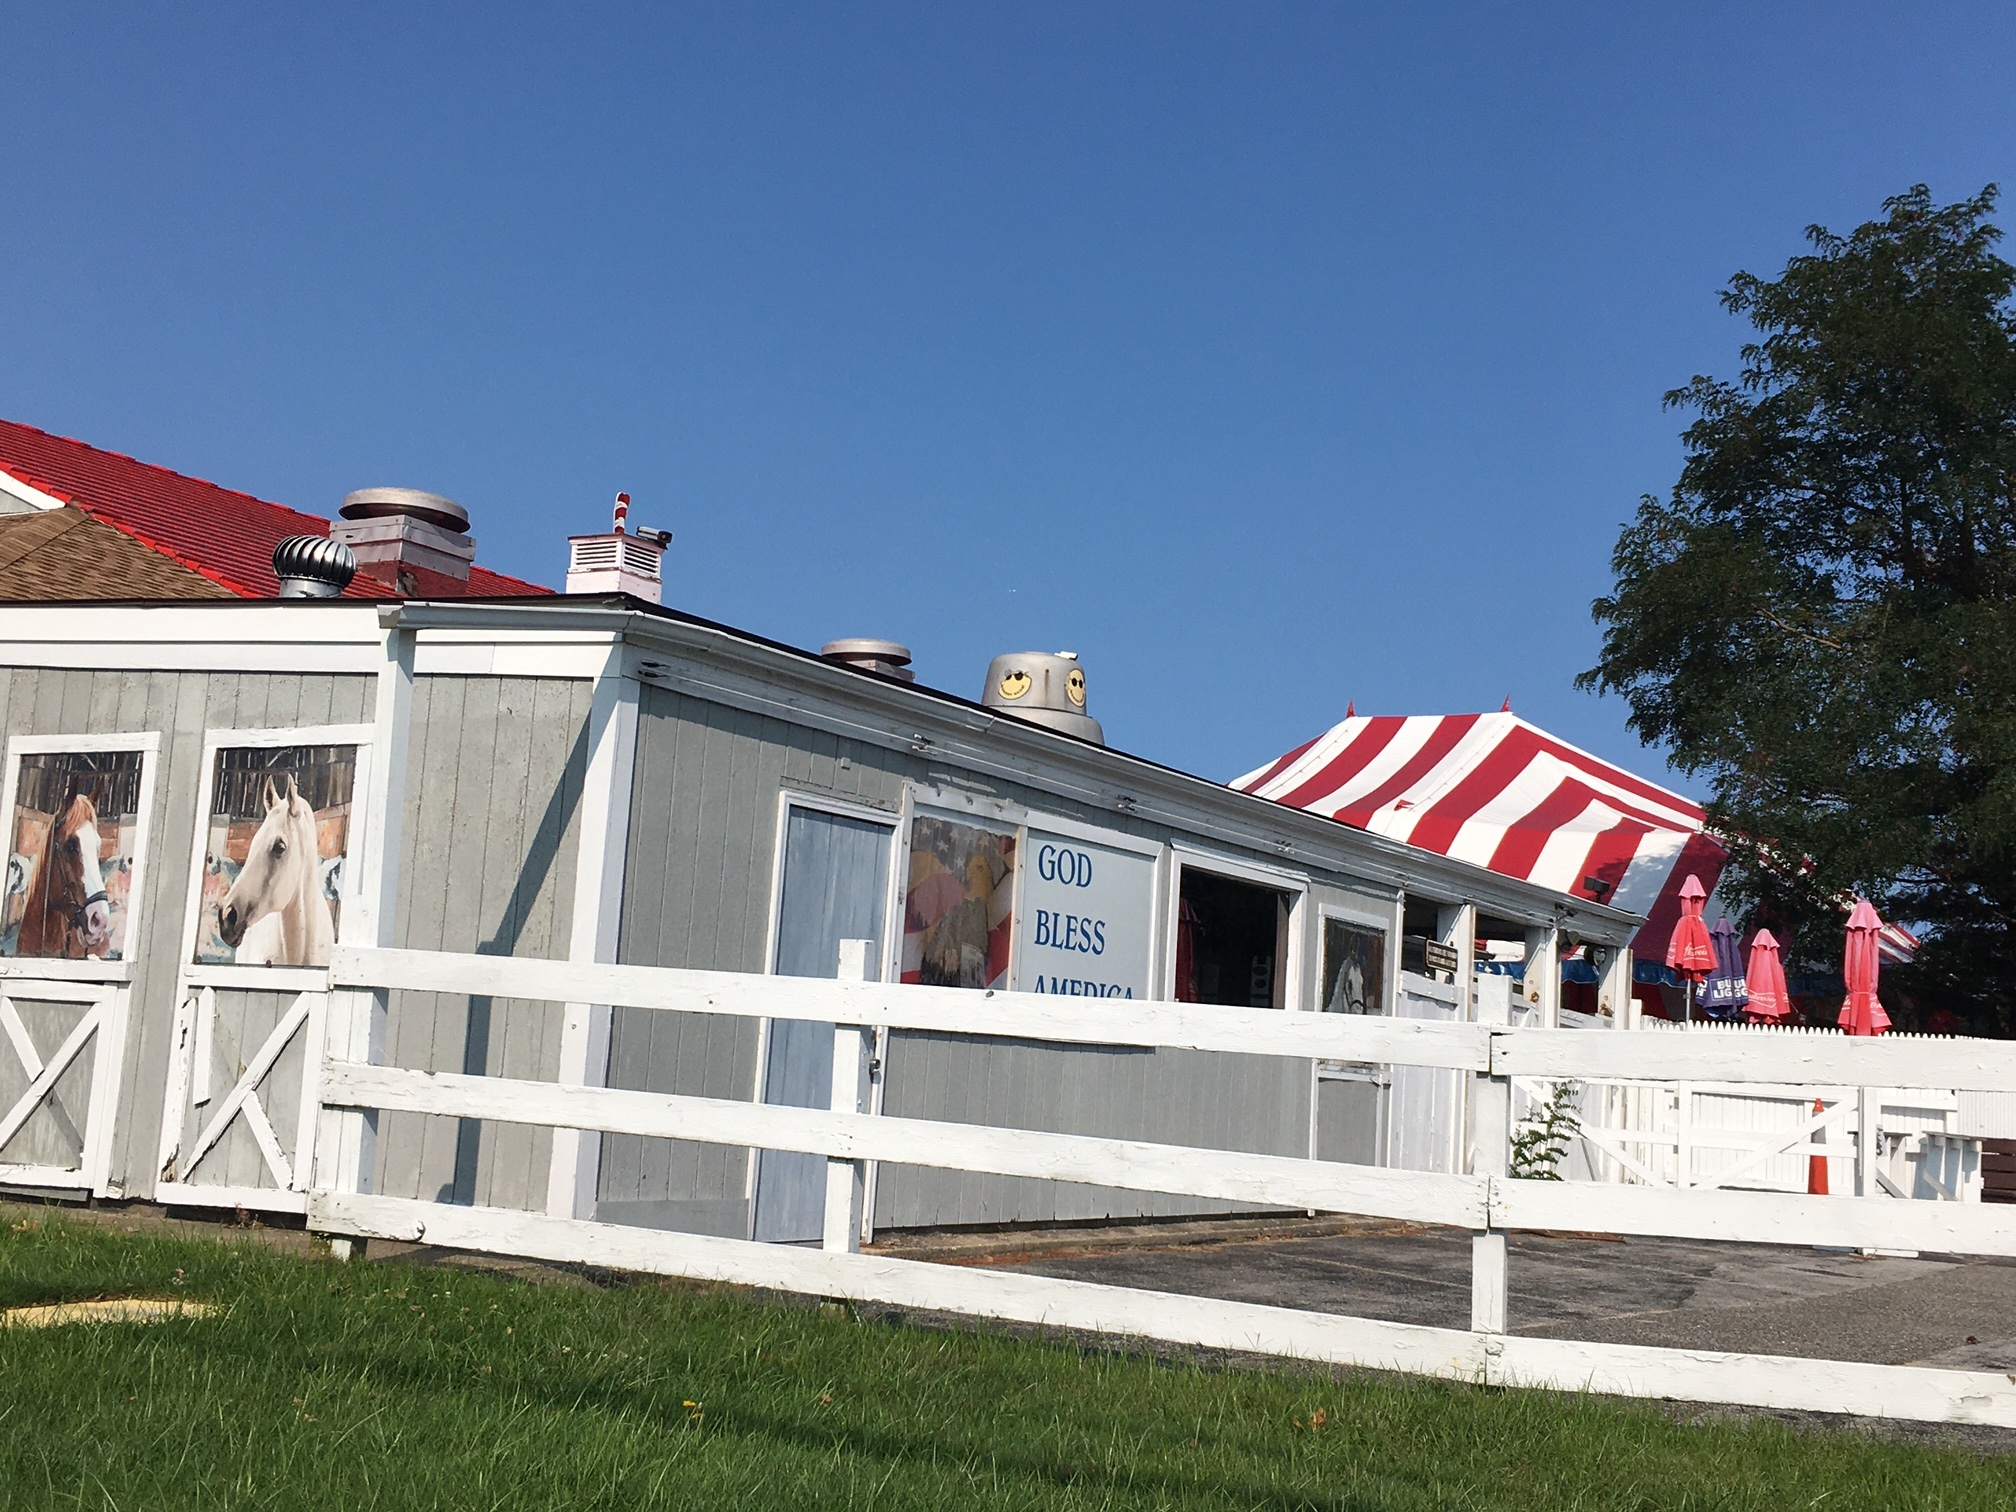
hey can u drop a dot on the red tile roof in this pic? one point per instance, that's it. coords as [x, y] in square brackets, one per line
[225, 535]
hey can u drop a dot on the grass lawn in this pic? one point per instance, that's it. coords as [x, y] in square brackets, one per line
[324, 1385]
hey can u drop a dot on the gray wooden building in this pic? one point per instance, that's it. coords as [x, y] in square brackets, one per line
[594, 780]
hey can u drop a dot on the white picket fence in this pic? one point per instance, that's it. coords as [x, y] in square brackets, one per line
[1486, 1200]
[1877, 1141]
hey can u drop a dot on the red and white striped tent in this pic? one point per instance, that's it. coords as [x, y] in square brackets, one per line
[1494, 790]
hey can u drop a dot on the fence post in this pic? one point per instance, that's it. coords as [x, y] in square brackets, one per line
[1491, 1139]
[845, 1179]
[1868, 1105]
[1683, 1134]
[355, 1020]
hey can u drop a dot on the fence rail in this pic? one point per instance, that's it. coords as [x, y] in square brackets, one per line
[1487, 1202]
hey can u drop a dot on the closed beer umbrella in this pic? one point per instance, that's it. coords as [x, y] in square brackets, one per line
[1691, 952]
[1862, 1013]
[1769, 998]
[1724, 993]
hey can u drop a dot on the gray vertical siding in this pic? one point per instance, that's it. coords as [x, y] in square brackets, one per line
[703, 830]
[181, 706]
[698, 894]
[491, 831]
[1181, 1097]
[490, 837]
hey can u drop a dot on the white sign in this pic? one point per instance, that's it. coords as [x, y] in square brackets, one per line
[1087, 919]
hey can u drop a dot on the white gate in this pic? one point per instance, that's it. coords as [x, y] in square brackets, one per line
[59, 1081]
[1424, 1122]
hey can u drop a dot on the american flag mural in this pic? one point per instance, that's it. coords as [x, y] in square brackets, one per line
[1496, 791]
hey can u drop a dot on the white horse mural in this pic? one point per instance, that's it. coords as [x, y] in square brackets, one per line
[275, 913]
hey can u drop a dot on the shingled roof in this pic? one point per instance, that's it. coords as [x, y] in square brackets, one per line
[219, 534]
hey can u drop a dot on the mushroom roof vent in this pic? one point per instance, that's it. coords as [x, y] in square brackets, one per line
[890, 658]
[379, 503]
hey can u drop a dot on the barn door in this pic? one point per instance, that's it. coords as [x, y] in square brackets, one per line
[70, 922]
[279, 820]
[59, 1082]
[239, 1125]
[834, 886]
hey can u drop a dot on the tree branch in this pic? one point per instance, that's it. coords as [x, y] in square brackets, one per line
[1801, 632]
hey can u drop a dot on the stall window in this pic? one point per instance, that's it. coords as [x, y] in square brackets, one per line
[958, 904]
[1354, 968]
[1231, 942]
[73, 842]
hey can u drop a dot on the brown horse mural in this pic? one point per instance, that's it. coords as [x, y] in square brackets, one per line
[67, 913]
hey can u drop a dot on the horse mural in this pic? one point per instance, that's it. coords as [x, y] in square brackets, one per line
[275, 913]
[67, 913]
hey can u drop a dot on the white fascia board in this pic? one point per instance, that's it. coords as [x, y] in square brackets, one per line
[222, 637]
[28, 493]
[535, 651]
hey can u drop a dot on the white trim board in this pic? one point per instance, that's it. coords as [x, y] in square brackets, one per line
[35, 498]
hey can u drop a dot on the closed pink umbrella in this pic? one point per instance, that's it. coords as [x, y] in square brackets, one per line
[1862, 1013]
[1770, 999]
[1691, 951]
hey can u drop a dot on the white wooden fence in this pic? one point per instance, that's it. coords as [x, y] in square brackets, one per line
[1486, 1201]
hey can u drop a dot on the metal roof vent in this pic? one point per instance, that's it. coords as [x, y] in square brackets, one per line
[890, 658]
[1045, 688]
[310, 566]
[393, 528]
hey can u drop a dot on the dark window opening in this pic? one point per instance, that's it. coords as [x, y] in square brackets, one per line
[1231, 942]
[1500, 940]
[1420, 924]
[1354, 968]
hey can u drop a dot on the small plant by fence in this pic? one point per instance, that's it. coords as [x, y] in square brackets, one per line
[1488, 1200]
[1542, 1143]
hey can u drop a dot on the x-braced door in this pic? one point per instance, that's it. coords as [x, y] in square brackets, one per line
[281, 814]
[59, 1082]
[239, 1125]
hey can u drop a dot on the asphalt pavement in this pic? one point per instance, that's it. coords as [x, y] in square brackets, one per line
[1929, 1310]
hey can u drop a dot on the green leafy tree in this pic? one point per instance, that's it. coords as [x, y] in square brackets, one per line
[1822, 616]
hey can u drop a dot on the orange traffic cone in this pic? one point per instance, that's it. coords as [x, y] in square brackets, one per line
[1816, 1165]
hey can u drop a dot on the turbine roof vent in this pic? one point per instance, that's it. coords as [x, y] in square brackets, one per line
[311, 566]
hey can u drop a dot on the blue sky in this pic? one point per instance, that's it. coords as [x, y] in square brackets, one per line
[1269, 357]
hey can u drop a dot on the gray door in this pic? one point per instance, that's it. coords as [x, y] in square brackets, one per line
[836, 878]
